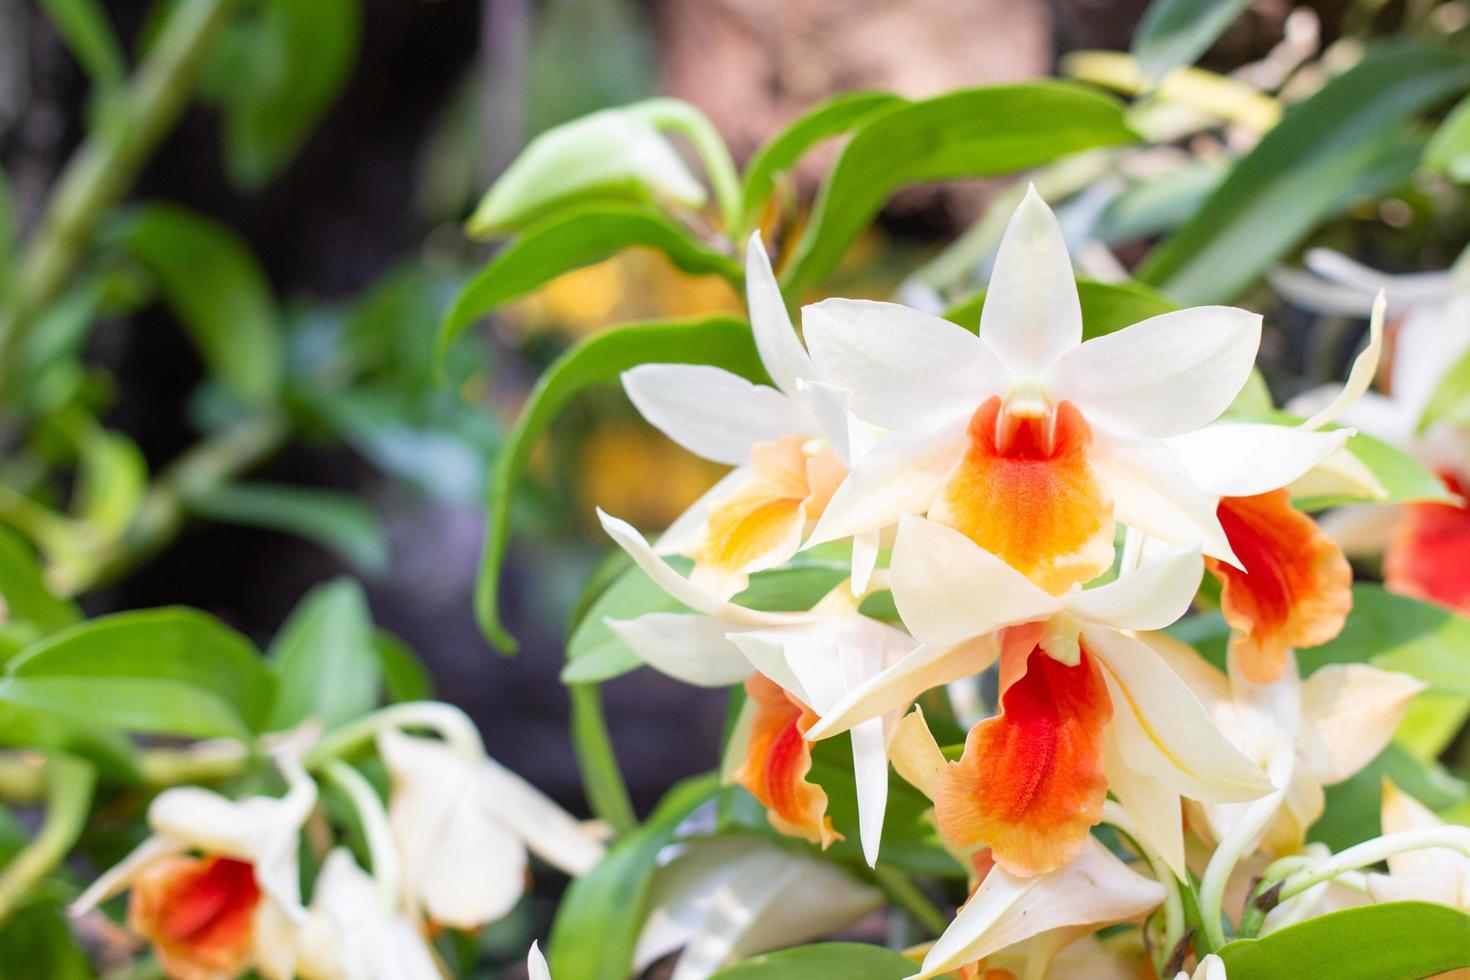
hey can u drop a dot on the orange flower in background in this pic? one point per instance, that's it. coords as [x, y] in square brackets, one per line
[778, 760]
[198, 913]
[1426, 555]
[1296, 587]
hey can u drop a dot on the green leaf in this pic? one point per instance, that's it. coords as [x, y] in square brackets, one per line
[283, 69]
[36, 943]
[602, 913]
[171, 670]
[88, 34]
[326, 659]
[1448, 151]
[834, 117]
[23, 588]
[8, 235]
[218, 291]
[1450, 401]
[1106, 306]
[571, 240]
[404, 675]
[337, 521]
[719, 341]
[1392, 941]
[1351, 813]
[978, 132]
[1176, 32]
[850, 961]
[1299, 173]
[112, 477]
[1396, 632]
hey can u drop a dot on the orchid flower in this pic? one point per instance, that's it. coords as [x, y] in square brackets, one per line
[536, 968]
[1082, 703]
[462, 824]
[789, 445]
[726, 898]
[1026, 439]
[794, 666]
[354, 932]
[1432, 874]
[216, 889]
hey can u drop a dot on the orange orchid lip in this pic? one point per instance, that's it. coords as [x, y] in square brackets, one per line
[1025, 492]
[198, 913]
[778, 760]
[1426, 556]
[1296, 588]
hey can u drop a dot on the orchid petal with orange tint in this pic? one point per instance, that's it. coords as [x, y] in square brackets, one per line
[198, 914]
[778, 760]
[1296, 588]
[1425, 557]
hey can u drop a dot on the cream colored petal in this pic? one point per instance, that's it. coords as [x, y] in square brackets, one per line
[1340, 475]
[1365, 367]
[1150, 598]
[1153, 807]
[828, 405]
[1153, 494]
[536, 968]
[553, 835]
[711, 412]
[1430, 886]
[1402, 812]
[1242, 459]
[274, 942]
[915, 754]
[1349, 713]
[781, 352]
[1207, 681]
[1094, 888]
[693, 649]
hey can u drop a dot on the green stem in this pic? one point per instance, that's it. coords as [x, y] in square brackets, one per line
[907, 896]
[105, 166]
[718, 166]
[603, 781]
[374, 826]
[1174, 924]
[452, 724]
[69, 785]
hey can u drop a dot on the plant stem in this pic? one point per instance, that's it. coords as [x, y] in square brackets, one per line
[105, 166]
[907, 896]
[1378, 849]
[449, 722]
[374, 826]
[1246, 830]
[69, 783]
[1174, 925]
[701, 133]
[601, 778]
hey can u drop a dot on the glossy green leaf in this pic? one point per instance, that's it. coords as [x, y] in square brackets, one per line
[283, 69]
[337, 521]
[836, 116]
[1448, 151]
[1298, 174]
[1396, 632]
[172, 670]
[36, 943]
[1392, 941]
[602, 913]
[405, 677]
[572, 239]
[1176, 32]
[1106, 306]
[24, 590]
[218, 291]
[720, 341]
[326, 659]
[978, 132]
[1352, 807]
[850, 961]
[88, 34]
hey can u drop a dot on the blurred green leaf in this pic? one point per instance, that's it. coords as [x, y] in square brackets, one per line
[1391, 941]
[850, 961]
[572, 239]
[1351, 814]
[112, 477]
[284, 66]
[1160, 202]
[171, 670]
[326, 659]
[597, 925]
[339, 522]
[836, 116]
[1431, 724]
[218, 291]
[1299, 172]
[1177, 32]
[978, 132]
[1448, 151]
[1450, 401]
[84, 27]
[1396, 632]
[8, 234]
[24, 591]
[404, 675]
[719, 341]
[1106, 306]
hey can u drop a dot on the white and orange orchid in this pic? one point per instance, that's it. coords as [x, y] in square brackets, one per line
[789, 445]
[354, 931]
[794, 667]
[1024, 438]
[216, 889]
[1082, 704]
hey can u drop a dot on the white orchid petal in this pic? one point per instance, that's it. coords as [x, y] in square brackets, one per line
[1153, 494]
[1242, 459]
[711, 412]
[865, 547]
[870, 773]
[536, 968]
[1349, 713]
[1151, 597]
[1167, 375]
[905, 369]
[775, 338]
[949, 589]
[692, 649]
[1439, 885]
[552, 834]
[1154, 808]
[1032, 315]
[1402, 812]
[1341, 474]
[915, 754]
[1093, 888]
[1365, 368]
[828, 407]
[1336, 267]
[1164, 731]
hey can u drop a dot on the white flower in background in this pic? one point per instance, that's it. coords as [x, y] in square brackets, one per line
[789, 445]
[536, 968]
[723, 899]
[216, 889]
[807, 663]
[1209, 968]
[354, 931]
[1431, 874]
[1026, 439]
[1084, 706]
[462, 824]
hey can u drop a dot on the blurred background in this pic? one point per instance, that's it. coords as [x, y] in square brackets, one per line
[359, 234]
